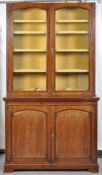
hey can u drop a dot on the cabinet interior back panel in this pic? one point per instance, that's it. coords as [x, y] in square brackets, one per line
[30, 27]
[72, 82]
[30, 61]
[72, 27]
[72, 61]
[29, 82]
[72, 14]
[71, 42]
[30, 14]
[30, 42]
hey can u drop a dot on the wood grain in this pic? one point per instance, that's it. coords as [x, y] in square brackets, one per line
[51, 130]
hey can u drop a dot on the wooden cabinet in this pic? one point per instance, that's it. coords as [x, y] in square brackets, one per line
[51, 135]
[51, 108]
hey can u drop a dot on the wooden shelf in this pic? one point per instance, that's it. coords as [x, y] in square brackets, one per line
[72, 71]
[72, 21]
[29, 21]
[72, 89]
[72, 32]
[60, 50]
[29, 71]
[72, 50]
[28, 50]
[29, 32]
[32, 89]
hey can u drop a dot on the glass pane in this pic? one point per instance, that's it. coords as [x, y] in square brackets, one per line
[29, 49]
[72, 49]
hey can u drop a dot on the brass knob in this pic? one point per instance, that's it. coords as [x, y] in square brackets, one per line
[52, 136]
[52, 50]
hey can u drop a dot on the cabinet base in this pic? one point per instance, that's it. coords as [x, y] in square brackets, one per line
[11, 167]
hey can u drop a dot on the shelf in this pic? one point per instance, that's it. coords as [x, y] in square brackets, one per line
[29, 21]
[60, 50]
[29, 71]
[29, 32]
[28, 50]
[72, 21]
[72, 32]
[72, 50]
[32, 89]
[72, 71]
[73, 89]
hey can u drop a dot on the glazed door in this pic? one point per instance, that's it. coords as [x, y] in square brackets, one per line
[28, 50]
[73, 128]
[51, 49]
[28, 139]
[74, 56]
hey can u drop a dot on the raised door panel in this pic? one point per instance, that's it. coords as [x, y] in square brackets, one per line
[72, 129]
[29, 133]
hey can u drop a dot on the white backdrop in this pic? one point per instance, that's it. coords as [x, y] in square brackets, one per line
[3, 69]
[99, 69]
[2, 72]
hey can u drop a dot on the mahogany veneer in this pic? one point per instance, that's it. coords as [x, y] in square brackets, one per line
[53, 128]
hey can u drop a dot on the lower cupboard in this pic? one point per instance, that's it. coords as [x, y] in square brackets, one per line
[58, 135]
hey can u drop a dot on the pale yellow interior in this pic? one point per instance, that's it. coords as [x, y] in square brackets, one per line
[30, 46]
[71, 26]
[29, 14]
[72, 49]
[29, 82]
[71, 82]
[71, 14]
[30, 61]
[71, 41]
[72, 61]
[30, 27]
[30, 42]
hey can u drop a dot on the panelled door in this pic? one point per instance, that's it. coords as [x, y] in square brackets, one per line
[29, 138]
[72, 133]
